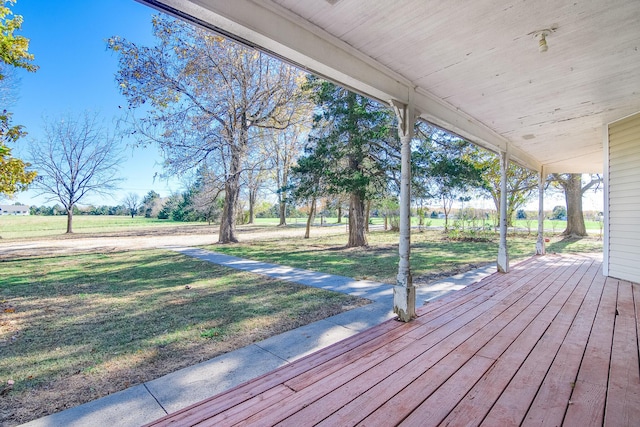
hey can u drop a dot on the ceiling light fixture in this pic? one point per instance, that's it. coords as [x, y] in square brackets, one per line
[542, 35]
[542, 43]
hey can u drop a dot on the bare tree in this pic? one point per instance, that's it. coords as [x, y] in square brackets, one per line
[254, 178]
[205, 99]
[206, 199]
[574, 189]
[76, 157]
[132, 202]
[284, 147]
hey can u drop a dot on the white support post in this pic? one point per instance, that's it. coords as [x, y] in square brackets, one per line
[404, 293]
[540, 247]
[503, 254]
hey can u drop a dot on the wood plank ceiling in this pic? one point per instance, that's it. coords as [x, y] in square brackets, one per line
[479, 59]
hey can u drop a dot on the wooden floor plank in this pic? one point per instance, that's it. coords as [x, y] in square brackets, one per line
[552, 399]
[439, 316]
[390, 383]
[370, 399]
[434, 409]
[481, 397]
[325, 379]
[590, 388]
[237, 414]
[263, 383]
[624, 376]
[420, 389]
[511, 349]
[313, 388]
[526, 377]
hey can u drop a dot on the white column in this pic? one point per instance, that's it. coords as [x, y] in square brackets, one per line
[540, 249]
[503, 254]
[404, 293]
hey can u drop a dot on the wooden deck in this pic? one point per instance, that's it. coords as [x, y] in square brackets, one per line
[551, 343]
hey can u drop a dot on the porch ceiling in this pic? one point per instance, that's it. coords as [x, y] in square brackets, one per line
[475, 66]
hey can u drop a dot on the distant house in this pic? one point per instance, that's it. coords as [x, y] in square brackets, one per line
[14, 210]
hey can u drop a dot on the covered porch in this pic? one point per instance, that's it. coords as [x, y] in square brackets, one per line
[553, 342]
[549, 85]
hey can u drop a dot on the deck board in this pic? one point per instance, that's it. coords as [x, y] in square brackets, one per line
[528, 361]
[624, 373]
[508, 375]
[550, 403]
[587, 404]
[541, 345]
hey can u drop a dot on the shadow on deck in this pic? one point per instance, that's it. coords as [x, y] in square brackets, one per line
[553, 342]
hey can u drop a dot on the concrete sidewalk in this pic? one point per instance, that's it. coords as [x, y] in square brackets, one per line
[151, 400]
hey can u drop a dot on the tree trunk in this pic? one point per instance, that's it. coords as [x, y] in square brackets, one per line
[573, 197]
[229, 212]
[366, 216]
[231, 195]
[253, 195]
[70, 220]
[357, 235]
[312, 211]
[283, 213]
[281, 181]
[446, 206]
[339, 214]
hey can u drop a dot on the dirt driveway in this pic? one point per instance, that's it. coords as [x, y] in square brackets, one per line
[143, 238]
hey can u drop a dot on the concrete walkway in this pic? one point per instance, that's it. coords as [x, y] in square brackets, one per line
[151, 400]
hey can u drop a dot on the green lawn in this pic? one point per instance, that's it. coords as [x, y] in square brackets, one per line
[593, 227]
[432, 253]
[75, 328]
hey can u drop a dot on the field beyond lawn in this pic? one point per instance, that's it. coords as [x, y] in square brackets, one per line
[36, 226]
[76, 328]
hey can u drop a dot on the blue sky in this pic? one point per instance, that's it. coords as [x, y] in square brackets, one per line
[68, 39]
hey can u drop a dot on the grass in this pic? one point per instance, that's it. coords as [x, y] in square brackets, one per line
[432, 253]
[32, 226]
[75, 328]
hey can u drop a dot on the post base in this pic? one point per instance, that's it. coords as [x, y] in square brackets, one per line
[404, 302]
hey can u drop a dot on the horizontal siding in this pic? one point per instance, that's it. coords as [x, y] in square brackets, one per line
[624, 199]
[625, 188]
[625, 248]
[623, 126]
[625, 202]
[631, 234]
[622, 270]
[625, 159]
[628, 216]
[624, 174]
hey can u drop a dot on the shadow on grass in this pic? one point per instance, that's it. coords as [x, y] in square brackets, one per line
[571, 244]
[76, 320]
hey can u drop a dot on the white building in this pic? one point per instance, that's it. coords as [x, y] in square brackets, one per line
[14, 210]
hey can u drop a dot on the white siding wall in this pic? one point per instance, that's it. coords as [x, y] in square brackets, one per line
[623, 254]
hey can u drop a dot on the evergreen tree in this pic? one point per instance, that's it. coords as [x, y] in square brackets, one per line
[350, 149]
